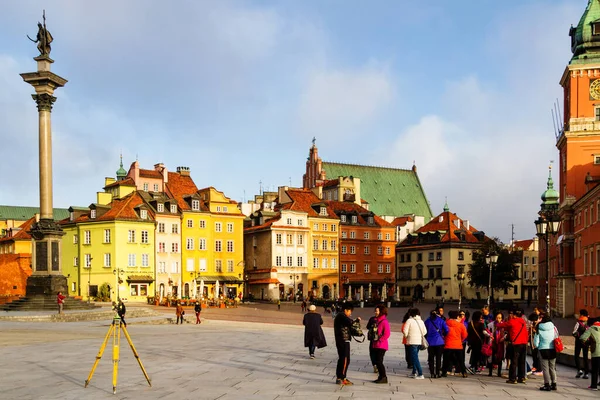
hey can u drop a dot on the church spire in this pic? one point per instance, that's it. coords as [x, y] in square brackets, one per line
[121, 173]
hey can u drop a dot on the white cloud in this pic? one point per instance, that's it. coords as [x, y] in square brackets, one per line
[338, 102]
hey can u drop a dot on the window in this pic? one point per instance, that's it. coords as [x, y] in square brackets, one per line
[367, 268]
[218, 245]
[218, 227]
[323, 211]
[388, 251]
[380, 250]
[419, 272]
[315, 227]
[75, 239]
[229, 265]
[333, 263]
[300, 261]
[354, 219]
[366, 235]
[430, 256]
[107, 236]
[367, 250]
[289, 239]
[408, 257]
[401, 258]
[87, 260]
[344, 249]
[584, 261]
[202, 224]
[144, 236]
[533, 275]
[131, 260]
[344, 234]
[190, 223]
[342, 218]
[525, 260]
[352, 250]
[230, 246]
[202, 267]
[161, 247]
[344, 268]
[131, 236]
[156, 187]
[379, 236]
[145, 187]
[162, 267]
[195, 205]
[189, 244]
[201, 244]
[87, 237]
[380, 268]
[353, 268]
[161, 227]
[333, 228]
[370, 220]
[145, 260]
[387, 236]
[515, 290]
[324, 262]
[175, 267]
[139, 290]
[174, 228]
[388, 268]
[352, 235]
[315, 262]
[173, 209]
[324, 244]
[218, 266]
[315, 244]
[160, 207]
[334, 245]
[438, 256]
[278, 238]
[289, 221]
[175, 248]
[278, 261]
[92, 214]
[533, 260]
[419, 257]
[218, 208]
[300, 239]
[461, 255]
[289, 260]
[144, 214]
[300, 222]
[229, 227]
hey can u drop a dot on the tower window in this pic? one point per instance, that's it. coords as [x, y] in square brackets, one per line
[596, 159]
[596, 28]
[597, 112]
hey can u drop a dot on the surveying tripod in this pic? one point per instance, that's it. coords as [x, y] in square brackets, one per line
[114, 330]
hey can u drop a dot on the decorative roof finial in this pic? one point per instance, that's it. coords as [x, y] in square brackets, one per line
[446, 208]
[121, 173]
[314, 141]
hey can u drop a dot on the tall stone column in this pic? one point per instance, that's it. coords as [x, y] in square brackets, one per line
[47, 278]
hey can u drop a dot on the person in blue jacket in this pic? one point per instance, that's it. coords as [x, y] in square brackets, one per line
[436, 330]
[543, 339]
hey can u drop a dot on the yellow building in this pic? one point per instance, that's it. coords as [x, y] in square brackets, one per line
[111, 243]
[212, 231]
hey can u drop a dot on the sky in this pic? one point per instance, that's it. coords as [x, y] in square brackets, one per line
[236, 90]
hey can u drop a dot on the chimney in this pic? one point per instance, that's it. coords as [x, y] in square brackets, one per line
[183, 171]
[467, 225]
[458, 223]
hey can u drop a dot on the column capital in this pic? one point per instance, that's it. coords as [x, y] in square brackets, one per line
[44, 101]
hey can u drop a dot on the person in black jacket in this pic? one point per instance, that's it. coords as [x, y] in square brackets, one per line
[121, 312]
[372, 325]
[313, 333]
[341, 330]
[198, 310]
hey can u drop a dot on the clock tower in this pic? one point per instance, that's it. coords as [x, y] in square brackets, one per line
[579, 170]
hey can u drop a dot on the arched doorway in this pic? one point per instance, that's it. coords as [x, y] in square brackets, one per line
[161, 290]
[326, 292]
[418, 295]
[281, 291]
[300, 291]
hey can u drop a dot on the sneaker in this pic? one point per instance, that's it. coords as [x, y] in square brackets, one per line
[545, 388]
[419, 377]
[451, 373]
[346, 382]
[538, 373]
[413, 375]
[312, 356]
[339, 382]
[553, 386]
[585, 376]
[592, 388]
[524, 380]
[579, 374]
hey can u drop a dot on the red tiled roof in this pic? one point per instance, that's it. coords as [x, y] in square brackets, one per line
[448, 226]
[523, 244]
[21, 234]
[180, 186]
[401, 221]
[124, 182]
[355, 208]
[331, 183]
[150, 173]
[120, 209]
[303, 200]
[263, 226]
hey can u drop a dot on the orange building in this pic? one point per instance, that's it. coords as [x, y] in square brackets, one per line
[574, 254]
[367, 252]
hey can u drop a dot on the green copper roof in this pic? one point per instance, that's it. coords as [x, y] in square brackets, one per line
[121, 173]
[550, 196]
[24, 213]
[585, 45]
[389, 191]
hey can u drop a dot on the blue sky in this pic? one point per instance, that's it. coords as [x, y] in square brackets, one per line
[237, 89]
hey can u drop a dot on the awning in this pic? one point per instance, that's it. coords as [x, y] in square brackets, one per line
[140, 279]
[220, 278]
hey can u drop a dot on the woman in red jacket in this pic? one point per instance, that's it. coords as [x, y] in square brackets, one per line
[517, 332]
[453, 344]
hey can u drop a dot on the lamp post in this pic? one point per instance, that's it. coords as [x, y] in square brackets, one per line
[294, 277]
[90, 280]
[460, 276]
[195, 275]
[118, 272]
[548, 224]
[490, 260]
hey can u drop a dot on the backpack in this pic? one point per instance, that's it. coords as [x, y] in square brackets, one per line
[580, 330]
[373, 333]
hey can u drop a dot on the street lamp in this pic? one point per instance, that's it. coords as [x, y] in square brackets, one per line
[548, 224]
[460, 276]
[195, 275]
[294, 277]
[90, 280]
[386, 281]
[118, 273]
[490, 260]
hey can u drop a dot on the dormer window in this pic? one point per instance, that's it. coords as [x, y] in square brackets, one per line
[71, 216]
[370, 220]
[93, 214]
[596, 28]
[144, 214]
[173, 209]
[354, 219]
[156, 187]
[343, 218]
[196, 205]
[323, 211]
[145, 187]
[160, 207]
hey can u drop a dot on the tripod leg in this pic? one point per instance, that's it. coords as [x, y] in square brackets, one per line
[137, 357]
[116, 343]
[99, 356]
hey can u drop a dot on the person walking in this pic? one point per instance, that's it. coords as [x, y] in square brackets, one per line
[303, 306]
[121, 310]
[453, 344]
[198, 310]
[437, 329]
[179, 313]
[380, 345]
[580, 347]
[60, 298]
[342, 325]
[517, 331]
[543, 340]
[593, 332]
[414, 330]
[313, 333]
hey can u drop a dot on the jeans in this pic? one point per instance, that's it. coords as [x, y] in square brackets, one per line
[413, 352]
[343, 350]
[179, 318]
[311, 349]
[549, 370]
[517, 364]
[580, 347]
[434, 359]
[595, 368]
[379, 354]
[198, 318]
[407, 357]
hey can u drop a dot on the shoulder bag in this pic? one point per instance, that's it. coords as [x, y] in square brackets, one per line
[424, 343]
[558, 344]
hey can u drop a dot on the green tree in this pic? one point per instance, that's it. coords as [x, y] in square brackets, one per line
[504, 271]
[103, 293]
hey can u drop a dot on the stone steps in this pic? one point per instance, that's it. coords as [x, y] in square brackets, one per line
[75, 316]
[46, 303]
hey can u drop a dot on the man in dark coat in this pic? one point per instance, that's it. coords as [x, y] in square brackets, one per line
[313, 333]
[341, 329]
